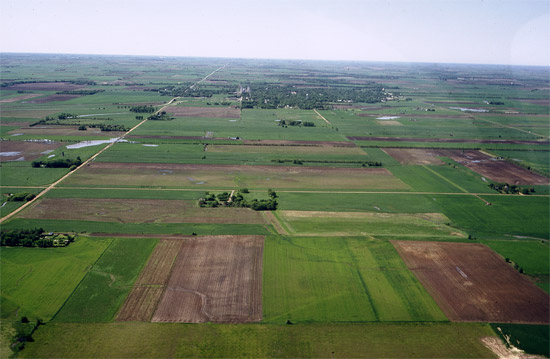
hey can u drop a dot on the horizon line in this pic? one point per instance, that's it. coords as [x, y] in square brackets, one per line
[269, 58]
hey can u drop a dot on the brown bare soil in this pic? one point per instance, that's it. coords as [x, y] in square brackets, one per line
[144, 297]
[389, 123]
[17, 113]
[53, 98]
[25, 151]
[445, 140]
[138, 211]
[414, 156]
[470, 282]
[495, 169]
[208, 112]
[232, 176]
[20, 98]
[45, 86]
[215, 279]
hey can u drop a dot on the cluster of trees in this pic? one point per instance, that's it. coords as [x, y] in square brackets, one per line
[143, 109]
[32, 238]
[59, 163]
[74, 82]
[510, 189]
[79, 92]
[104, 127]
[161, 116]
[223, 103]
[271, 96]
[21, 197]
[193, 91]
[224, 199]
[286, 123]
[299, 162]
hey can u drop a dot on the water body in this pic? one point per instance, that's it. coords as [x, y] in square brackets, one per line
[91, 143]
[149, 145]
[388, 117]
[9, 154]
[463, 109]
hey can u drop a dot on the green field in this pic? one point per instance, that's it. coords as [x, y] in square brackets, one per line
[340, 279]
[36, 281]
[533, 339]
[106, 285]
[155, 340]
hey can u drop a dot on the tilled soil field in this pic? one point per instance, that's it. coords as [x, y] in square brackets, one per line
[24, 151]
[144, 297]
[414, 156]
[138, 211]
[207, 112]
[495, 169]
[472, 283]
[215, 279]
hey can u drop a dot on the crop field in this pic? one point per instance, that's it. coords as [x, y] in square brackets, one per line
[37, 282]
[378, 210]
[102, 291]
[366, 224]
[341, 279]
[214, 279]
[471, 283]
[232, 176]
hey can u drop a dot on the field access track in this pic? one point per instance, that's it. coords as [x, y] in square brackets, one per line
[472, 283]
[215, 279]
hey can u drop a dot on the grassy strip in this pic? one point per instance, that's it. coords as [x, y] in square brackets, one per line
[136, 228]
[156, 340]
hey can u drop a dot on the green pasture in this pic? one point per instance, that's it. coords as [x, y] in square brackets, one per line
[37, 281]
[537, 160]
[106, 285]
[22, 174]
[340, 279]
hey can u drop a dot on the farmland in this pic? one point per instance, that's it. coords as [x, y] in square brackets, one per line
[408, 207]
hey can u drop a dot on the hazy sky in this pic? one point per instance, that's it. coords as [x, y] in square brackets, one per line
[463, 31]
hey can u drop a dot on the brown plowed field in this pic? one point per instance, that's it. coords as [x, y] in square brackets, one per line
[207, 112]
[216, 279]
[144, 297]
[20, 98]
[470, 282]
[25, 151]
[414, 156]
[138, 211]
[45, 86]
[496, 170]
[445, 140]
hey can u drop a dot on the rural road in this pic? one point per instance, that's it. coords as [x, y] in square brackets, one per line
[322, 117]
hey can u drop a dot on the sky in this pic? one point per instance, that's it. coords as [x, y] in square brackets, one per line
[458, 31]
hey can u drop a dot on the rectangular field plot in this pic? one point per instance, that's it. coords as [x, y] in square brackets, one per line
[208, 112]
[341, 279]
[366, 223]
[144, 297]
[472, 283]
[214, 279]
[231, 177]
[138, 211]
[497, 170]
[414, 156]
